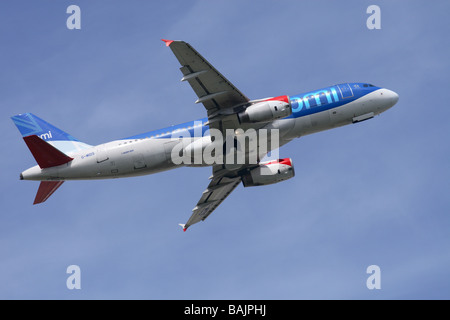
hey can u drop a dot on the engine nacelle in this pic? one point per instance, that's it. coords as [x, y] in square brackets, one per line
[272, 109]
[269, 173]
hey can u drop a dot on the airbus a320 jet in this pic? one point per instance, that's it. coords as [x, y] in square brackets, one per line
[266, 124]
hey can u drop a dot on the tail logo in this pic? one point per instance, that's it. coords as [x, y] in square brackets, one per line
[46, 136]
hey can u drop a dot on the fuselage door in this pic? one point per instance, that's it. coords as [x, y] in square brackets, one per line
[139, 161]
[102, 155]
[346, 91]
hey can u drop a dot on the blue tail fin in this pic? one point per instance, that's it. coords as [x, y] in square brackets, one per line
[29, 124]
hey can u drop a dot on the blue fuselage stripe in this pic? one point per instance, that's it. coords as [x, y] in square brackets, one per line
[302, 105]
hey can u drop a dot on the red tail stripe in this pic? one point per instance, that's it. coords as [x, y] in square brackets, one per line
[45, 154]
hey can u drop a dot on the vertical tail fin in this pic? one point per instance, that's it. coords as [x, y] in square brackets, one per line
[29, 124]
[49, 146]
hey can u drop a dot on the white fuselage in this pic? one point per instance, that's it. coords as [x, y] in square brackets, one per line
[135, 157]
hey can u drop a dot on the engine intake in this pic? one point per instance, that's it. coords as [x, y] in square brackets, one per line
[269, 173]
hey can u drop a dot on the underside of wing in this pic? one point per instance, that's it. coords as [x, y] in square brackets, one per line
[223, 103]
[218, 189]
[213, 90]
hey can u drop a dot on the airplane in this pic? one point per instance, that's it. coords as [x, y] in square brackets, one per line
[61, 157]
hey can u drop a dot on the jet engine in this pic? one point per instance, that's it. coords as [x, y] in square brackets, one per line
[269, 173]
[272, 109]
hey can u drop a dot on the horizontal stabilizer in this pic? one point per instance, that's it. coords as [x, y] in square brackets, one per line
[45, 154]
[46, 189]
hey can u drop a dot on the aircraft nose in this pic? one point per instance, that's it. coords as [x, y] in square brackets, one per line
[391, 96]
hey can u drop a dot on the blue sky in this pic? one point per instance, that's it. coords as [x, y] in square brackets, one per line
[365, 194]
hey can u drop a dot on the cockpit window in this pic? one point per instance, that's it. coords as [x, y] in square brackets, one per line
[368, 85]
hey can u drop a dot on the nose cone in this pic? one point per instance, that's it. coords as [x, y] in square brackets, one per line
[390, 98]
[385, 99]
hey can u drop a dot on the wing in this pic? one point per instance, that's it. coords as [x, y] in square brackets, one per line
[218, 189]
[222, 101]
[213, 90]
